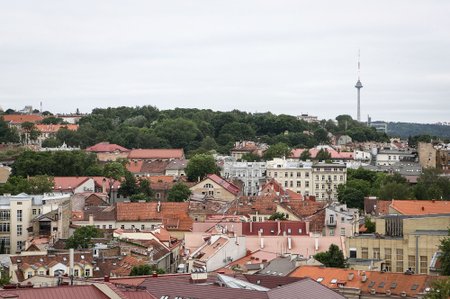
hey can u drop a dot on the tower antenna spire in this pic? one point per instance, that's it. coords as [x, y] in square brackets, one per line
[358, 87]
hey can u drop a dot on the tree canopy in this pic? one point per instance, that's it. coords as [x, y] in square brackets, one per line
[82, 237]
[179, 192]
[334, 257]
[145, 270]
[199, 166]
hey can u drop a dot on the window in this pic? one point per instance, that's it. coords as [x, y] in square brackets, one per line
[158, 195]
[331, 218]
[19, 215]
[306, 184]
[110, 226]
[399, 264]
[306, 174]
[29, 274]
[423, 264]
[376, 253]
[299, 183]
[19, 229]
[34, 212]
[208, 186]
[331, 231]
[317, 186]
[342, 231]
[412, 262]
[19, 245]
[122, 226]
[4, 215]
[41, 272]
[104, 226]
[286, 184]
[275, 174]
[291, 184]
[285, 174]
[291, 174]
[4, 227]
[76, 272]
[142, 226]
[299, 174]
[353, 253]
[388, 258]
[364, 252]
[87, 272]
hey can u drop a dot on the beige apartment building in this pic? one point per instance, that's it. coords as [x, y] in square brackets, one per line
[319, 179]
[402, 243]
[17, 213]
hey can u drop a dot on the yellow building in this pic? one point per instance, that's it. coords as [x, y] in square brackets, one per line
[402, 242]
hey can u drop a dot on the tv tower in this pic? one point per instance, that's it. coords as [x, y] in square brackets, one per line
[358, 87]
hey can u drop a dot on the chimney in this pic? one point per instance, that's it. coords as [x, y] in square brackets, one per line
[71, 253]
[158, 206]
[279, 226]
[106, 278]
[155, 274]
[251, 226]
[289, 243]
[91, 219]
[316, 243]
[104, 185]
[262, 242]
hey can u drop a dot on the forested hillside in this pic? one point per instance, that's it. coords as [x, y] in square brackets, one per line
[199, 131]
[404, 130]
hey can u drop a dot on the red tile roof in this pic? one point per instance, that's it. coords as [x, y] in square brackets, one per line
[297, 228]
[421, 207]
[174, 215]
[55, 128]
[156, 154]
[106, 147]
[296, 153]
[254, 258]
[230, 187]
[379, 281]
[68, 182]
[66, 292]
[21, 118]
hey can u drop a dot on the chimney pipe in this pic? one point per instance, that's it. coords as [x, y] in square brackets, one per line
[106, 278]
[316, 243]
[71, 258]
[104, 185]
[91, 219]
[251, 226]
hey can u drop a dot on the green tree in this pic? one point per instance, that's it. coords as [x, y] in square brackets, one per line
[305, 155]
[199, 166]
[180, 132]
[40, 184]
[440, 289]
[334, 257]
[322, 155]
[370, 226]
[51, 120]
[30, 132]
[354, 198]
[4, 277]
[179, 192]
[278, 216]
[394, 191]
[444, 247]
[145, 270]
[82, 237]
[278, 150]
[145, 188]
[128, 186]
[7, 134]
[250, 157]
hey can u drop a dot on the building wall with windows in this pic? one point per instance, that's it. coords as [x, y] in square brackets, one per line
[212, 189]
[320, 179]
[252, 175]
[401, 242]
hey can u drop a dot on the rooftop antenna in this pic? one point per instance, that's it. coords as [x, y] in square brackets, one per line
[358, 87]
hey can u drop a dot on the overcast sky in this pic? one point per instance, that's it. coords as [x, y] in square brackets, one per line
[287, 57]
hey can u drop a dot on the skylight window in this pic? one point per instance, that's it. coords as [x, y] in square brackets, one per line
[334, 280]
[414, 287]
[320, 279]
[393, 285]
[371, 284]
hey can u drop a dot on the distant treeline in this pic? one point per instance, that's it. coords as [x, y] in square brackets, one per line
[198, 131]
[405, 130]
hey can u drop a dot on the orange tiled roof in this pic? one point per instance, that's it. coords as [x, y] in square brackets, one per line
[55, 128]
[174, 215]
[68, 182]
[156, 154]
[383, 207]
[397, 283]
[106, 147]
[253, 258]
[21, 118]
[421, 207]
[230, 187]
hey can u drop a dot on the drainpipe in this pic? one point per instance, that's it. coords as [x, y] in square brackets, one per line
[417, 254]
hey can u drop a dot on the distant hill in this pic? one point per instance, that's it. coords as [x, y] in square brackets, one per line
[405, 130]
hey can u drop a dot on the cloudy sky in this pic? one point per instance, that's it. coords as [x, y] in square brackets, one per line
[288, 57]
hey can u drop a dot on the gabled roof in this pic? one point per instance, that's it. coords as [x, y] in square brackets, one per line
[174, 215]
[66, 292]
[257, 258]
[296, 153]
[156, 154]
[307, 288]
[230, 187]
[68, 182]
[103, 147]
[55, 128]
[421, 207]
[21, 118]
[379, 281]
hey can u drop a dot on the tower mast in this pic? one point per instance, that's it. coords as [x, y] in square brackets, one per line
[358, 87]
